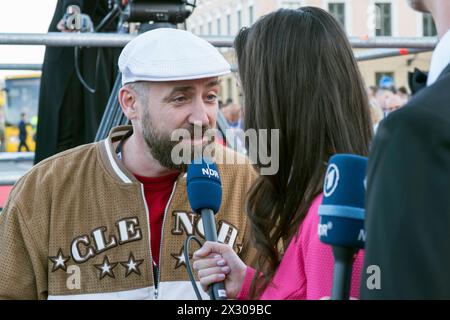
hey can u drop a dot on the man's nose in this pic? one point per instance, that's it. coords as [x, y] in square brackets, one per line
[199, 113]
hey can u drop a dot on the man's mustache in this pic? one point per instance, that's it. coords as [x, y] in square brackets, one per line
[190, 131]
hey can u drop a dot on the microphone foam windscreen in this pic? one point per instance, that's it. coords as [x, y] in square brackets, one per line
[342, 211]
[204, 187]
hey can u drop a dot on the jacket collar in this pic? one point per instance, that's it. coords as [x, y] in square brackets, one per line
[440, 59]
[109, 156]
[445, 72]
[114, 166]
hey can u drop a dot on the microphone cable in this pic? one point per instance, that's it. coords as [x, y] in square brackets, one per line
[106, 22]
[78, 72]
[188, 264]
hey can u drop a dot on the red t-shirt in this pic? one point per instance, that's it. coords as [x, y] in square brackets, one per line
[157, 193]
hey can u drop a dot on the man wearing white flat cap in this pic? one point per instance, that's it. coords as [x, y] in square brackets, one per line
[108, 220]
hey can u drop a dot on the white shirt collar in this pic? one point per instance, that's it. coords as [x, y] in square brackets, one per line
[440, 59]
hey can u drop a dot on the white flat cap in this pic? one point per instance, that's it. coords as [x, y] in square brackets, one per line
[168, 55]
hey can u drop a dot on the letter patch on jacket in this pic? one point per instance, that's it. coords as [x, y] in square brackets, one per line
[191, 224]
[87, 246]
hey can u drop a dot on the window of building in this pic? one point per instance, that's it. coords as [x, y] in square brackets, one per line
[384, 16]
[292, 4]
[229, 25]
[219, 27]
[201, 32]
[429, 28]
[337, 9]
[230, 88]
[239, 19]
[209, 28]
[250, 15]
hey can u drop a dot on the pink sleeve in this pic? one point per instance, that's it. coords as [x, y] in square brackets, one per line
[306, 270]
[245, 289]
[319, 261]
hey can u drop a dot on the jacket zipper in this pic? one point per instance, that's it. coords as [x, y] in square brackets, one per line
[147, 213]
[156, 277]
[158, 269]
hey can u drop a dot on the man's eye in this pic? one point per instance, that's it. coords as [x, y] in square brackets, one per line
[179, 99]
[211, 97]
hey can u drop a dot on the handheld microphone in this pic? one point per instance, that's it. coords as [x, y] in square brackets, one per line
[204, 191]
[342, 217]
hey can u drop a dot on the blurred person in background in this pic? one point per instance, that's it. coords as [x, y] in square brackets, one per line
[394, 103]
[233, 113]
[376, 112]
[2, 132]
[23, 134]
[372, 92]
[382, 98]
[403, 94]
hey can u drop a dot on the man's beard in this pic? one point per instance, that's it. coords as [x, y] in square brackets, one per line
[160, 144]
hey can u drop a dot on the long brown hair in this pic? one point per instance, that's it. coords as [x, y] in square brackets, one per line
[298, 75]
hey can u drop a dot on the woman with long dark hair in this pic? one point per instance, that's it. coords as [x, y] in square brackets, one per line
[298, 75]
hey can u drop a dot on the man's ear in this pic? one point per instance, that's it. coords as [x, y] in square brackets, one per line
[128, 102]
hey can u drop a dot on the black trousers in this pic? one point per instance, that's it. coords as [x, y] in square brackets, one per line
[23, 143]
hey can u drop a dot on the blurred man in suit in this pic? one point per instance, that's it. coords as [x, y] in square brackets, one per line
[408, 186]
[23, 134]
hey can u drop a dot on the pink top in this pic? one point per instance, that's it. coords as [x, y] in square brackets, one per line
[306, 270]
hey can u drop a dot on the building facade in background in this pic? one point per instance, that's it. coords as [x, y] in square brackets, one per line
[360, 18]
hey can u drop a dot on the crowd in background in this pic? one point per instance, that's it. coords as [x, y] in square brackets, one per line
[232, 112]
[384, 100]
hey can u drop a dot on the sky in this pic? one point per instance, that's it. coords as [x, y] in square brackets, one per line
[24, 16]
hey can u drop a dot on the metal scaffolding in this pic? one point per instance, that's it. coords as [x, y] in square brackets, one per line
[386, 53]
[120, 40]
[364, 56]
[407, 45]
[17, 66]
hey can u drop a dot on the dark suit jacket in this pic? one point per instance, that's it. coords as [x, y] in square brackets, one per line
[69, 115]
[408, 199]
[22, 130]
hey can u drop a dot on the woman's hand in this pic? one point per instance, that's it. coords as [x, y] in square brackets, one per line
[216, 262]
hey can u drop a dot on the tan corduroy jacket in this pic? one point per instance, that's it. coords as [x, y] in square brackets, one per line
[77, 227]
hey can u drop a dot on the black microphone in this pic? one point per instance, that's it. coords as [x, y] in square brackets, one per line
[204, 191]
[342, 217]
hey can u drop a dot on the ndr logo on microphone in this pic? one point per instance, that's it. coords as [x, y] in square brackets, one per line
[210, 172]
[331, 180]
[323, 229]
